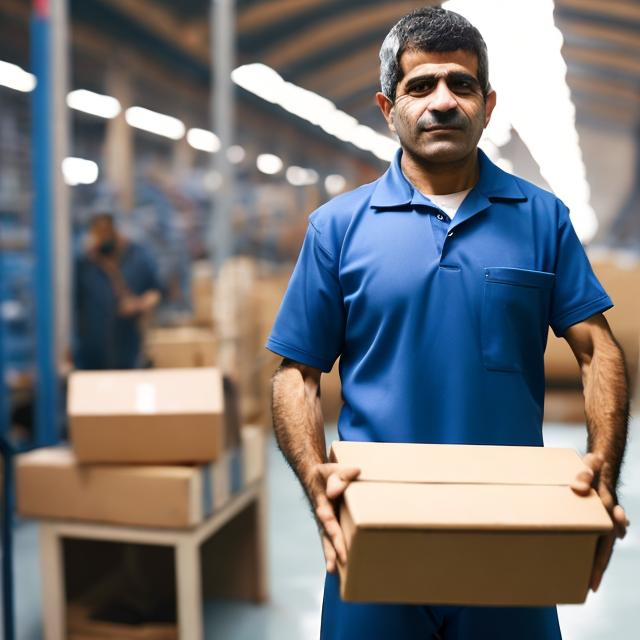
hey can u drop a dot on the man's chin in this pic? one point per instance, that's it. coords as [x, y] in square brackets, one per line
[441, 152]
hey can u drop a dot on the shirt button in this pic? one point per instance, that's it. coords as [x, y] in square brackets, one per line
[440, 216]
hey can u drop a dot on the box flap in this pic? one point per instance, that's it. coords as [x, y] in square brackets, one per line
[440, 463]
[148, 391]
[381, 505]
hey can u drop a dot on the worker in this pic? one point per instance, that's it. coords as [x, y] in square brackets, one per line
[436, 285]
[116, 288]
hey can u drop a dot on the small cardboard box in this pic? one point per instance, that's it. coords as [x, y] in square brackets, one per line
[161, 416]
[176, 347]
[473, 525]
[51, 484]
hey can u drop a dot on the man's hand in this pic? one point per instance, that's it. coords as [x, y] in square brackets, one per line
[327, 482]
[130, 306]
[582, 485]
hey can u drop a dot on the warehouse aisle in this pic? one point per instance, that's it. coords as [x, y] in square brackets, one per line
[296, 568]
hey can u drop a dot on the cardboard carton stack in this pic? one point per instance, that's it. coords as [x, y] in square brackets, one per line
[159, 448]
[621, 279]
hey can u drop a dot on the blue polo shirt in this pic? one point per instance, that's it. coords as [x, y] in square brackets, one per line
[440, 325]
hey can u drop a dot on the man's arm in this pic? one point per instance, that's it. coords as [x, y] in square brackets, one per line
[606, 401]
[299, 431]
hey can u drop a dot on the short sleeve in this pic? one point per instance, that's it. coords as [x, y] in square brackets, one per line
[309, 327]
[577, 293]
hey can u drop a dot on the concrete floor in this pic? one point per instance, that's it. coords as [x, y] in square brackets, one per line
[296, 574]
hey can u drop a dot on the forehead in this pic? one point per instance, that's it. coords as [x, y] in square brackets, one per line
[415, 63]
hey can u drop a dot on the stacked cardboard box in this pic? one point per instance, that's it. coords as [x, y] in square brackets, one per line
[159, 448]
[202, 292]
[177, 347]
[621, 279]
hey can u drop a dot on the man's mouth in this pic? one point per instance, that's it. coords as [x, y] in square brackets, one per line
[441, 128]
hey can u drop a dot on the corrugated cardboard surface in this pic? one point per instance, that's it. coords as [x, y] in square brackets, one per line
[151, 416]
[460, 524]
[178, 347]
[50, 484]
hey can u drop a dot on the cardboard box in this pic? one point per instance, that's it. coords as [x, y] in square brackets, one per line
[455, 524]
[202, 293]
[159, 416]
[253, 454]
[51, 484]
[176, 347]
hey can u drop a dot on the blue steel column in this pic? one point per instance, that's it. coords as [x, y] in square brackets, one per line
[8, 624]
[46, 423]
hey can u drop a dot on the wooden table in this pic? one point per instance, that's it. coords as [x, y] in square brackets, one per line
[237, 570]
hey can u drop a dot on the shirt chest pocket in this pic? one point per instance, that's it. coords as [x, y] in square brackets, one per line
[515, 317]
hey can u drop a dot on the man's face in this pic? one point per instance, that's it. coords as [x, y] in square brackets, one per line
[440, 111]
[103, 230]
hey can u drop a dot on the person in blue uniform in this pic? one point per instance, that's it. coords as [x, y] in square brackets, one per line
[116, 286]
[436, 286]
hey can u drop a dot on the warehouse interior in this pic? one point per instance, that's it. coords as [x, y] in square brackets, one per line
[206, 132]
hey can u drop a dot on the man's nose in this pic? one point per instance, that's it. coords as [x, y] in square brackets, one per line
[441, 98]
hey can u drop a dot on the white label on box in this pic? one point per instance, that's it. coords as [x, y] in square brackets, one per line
[145, 398]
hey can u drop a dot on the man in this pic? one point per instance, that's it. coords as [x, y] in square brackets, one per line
[436, 285]
[116, 286]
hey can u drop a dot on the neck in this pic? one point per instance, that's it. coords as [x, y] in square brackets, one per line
[437, 179]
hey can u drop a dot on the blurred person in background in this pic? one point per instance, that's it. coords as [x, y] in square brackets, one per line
[436, 285]
[116, 289]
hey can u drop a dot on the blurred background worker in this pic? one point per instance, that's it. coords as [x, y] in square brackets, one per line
[116, 288]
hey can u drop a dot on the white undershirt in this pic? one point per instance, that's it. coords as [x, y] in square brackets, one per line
[449, 203]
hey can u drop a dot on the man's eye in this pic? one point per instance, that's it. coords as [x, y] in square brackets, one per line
[420, 87]
[461, 86]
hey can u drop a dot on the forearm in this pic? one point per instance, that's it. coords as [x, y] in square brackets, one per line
[606, 394]
[149, 300]
[297, 419]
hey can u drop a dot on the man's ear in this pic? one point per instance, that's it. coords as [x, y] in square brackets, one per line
[490, 103]
[386, 106]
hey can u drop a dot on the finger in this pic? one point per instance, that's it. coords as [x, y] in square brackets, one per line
[337, 482]
[603, 554]
[331, 527]
[329, 468]
[329, 554]
[581, 488]
[333, 530]
[324, 509]
[620, 521]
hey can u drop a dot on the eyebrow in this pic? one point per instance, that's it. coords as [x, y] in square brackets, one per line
[451, 76]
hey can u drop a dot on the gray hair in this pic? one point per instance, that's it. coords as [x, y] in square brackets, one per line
[430, 29]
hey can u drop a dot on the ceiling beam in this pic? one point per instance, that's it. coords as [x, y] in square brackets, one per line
[337, 29]
[594, 33]
[325, 78]
[266, 13]
[602, 58]
[164, 24]
[606, 88]
[617, 8]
